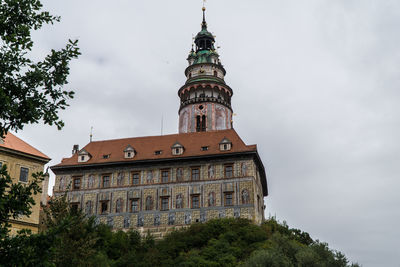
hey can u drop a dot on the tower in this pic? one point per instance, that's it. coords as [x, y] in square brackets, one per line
[205, 97]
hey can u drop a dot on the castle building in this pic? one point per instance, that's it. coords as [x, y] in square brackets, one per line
[162, 182]
[22, 161]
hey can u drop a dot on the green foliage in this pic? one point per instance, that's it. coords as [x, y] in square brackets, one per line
[30, 91]
[73, 239]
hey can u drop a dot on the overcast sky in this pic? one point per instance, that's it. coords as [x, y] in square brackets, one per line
[316, 87]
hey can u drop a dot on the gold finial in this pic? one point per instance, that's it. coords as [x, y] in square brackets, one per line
[204, 24]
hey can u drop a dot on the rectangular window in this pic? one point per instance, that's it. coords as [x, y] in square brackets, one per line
[195, 174]
[204, 148]
[195, 201]
[134, 205]
[76, 183]
[229, 171]
[106, 181]
[104, 207]
[74, 207]
[165, 176]
[228, 199]
[164, 203]
[135, 178]
[23, 176]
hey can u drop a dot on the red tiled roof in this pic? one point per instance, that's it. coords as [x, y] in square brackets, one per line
[14, 143]
[146, 146]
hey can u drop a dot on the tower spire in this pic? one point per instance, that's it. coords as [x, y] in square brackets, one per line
[204, 23]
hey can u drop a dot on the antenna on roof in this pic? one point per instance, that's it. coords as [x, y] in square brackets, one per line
[91, 133]
[162, 124]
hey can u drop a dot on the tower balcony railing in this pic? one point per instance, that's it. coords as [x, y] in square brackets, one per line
[205, 99]
[205, 77]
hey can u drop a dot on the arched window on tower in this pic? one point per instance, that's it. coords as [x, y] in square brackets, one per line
[203, 123]
[198, 123]
[208, 44]
[215, 73]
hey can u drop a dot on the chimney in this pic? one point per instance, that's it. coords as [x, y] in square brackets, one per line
[75, 149]
[45, 187]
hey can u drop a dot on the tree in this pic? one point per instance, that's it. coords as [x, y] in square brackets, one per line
[30, 91]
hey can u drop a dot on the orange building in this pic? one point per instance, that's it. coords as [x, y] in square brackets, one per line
[22, 161]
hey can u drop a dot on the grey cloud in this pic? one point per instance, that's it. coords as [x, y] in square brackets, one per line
[315, 87]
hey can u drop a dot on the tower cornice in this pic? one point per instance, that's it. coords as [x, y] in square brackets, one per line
[203, 84]
[204, 100]
[205, 64]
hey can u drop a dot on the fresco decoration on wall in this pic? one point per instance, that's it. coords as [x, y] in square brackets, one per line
[149, 203]
[244, 168]
[90, 181]
[211, 199]
[245, 196]
[61, 186]
[220, 118]
[118, 205]
[211, 172]
[179, 174]
[88, 207]
[150, 177]
[127, 222]
[179, 201]
[120, 179]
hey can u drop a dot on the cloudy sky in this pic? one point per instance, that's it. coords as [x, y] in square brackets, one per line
[316, 87]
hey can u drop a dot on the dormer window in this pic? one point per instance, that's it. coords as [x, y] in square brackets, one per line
[83, 155]
[129, 152]
[204, 148]
[106, 156]
[157, 152]
[225, 145]
[177, 149]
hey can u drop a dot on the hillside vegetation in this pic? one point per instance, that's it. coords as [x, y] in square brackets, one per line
[71, 239]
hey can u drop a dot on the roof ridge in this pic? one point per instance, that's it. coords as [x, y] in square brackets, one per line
[146, 146]
[166, 135]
